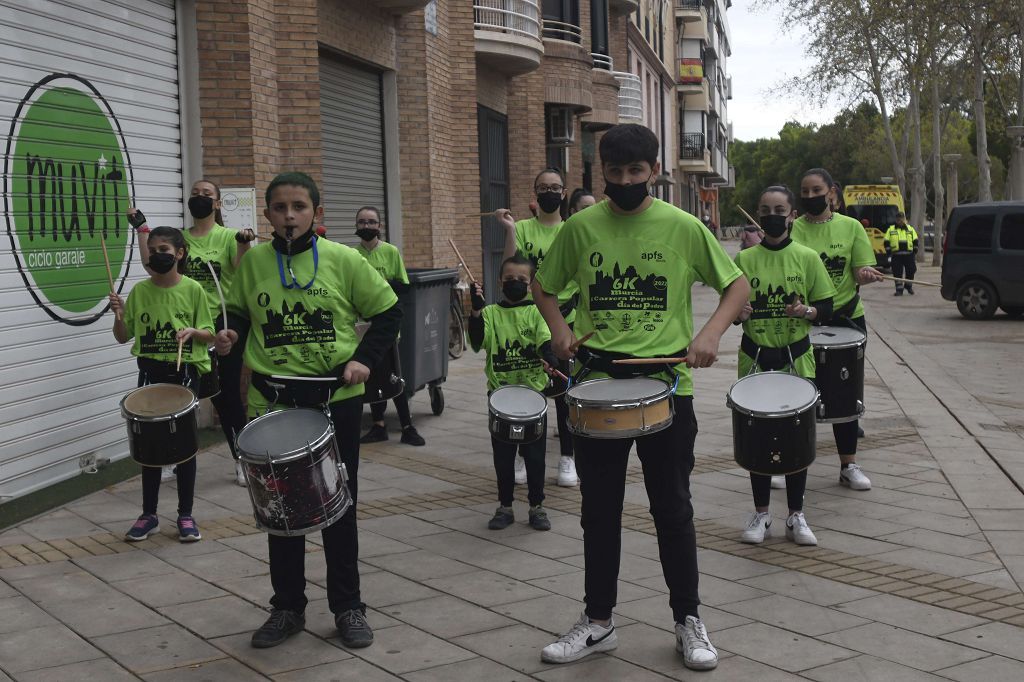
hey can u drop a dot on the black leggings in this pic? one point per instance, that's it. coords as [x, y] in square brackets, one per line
[228, 402]
[761, 486]
[401, 402]
[186, 472]
[504, 468]
[846, 433]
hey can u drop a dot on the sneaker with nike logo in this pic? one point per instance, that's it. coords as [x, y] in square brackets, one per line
[583, 639]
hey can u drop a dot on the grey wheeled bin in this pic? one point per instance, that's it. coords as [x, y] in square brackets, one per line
[423, 345]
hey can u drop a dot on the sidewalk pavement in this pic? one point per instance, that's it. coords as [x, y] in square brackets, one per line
[917, 579]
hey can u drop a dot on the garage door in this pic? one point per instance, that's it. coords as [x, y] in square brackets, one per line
[89, 111]
[353, 145]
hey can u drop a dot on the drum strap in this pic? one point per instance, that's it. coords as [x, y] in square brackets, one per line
[843, 313]
[594, 361]
[160, 372]
[296, 393]
[774, 358]
[569, 305]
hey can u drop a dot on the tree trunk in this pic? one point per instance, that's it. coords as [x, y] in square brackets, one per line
[984, 164]
[918, 189]
[876, 81]
[940, 199]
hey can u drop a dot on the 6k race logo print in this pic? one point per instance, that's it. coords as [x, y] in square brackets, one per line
[67, 185]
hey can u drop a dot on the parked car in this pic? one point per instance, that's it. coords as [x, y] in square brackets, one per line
[983, 266]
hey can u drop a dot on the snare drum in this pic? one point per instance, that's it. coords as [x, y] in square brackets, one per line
[162, 426]
[839, 375]
[516, 414]
[773, 426]
[385, 380]
[620, 408]
[296, 480]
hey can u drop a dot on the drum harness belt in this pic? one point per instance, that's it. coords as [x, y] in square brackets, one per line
[158, 371]
[569, 305]
[594, 361]
[774, 358]
[298, 392]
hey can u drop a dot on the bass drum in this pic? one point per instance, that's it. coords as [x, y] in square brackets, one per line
[773, 425]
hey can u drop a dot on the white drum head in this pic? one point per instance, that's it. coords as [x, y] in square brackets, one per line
[158, 400]
[518, 402]
[618, 390]
[277, 435]
[773, 393]
[836, 337]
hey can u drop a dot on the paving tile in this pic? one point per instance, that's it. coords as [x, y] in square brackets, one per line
[516, 563]
[997, 638]
[401, 527]
[991, 668]
[299, 652]
[809, 588]
[59, 524]
[114, 567]
[779, 648]
[258, 590]
[223, 670]
[869, 669]
[20, 650]
[910, 615]
[548, 612]
[447, 616]
[383, 588]
[732, 668]
[731, 567]
[517, 647]
[152, 649]
[227, 564]
[420, 564]
[100, 670]
[254, 545]
[167, 590]
[403, 648]
[645, 646]
[486, 588]
[473, 669]
[792, 614]
[572, 585]
[349, 670]
[19, 613]
[937, 542]
[716, 591]
[599, 668]
[552, 545]
[656, 611]
[903, 646]
[209, 618]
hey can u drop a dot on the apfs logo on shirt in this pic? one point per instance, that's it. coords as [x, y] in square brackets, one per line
[67, 186]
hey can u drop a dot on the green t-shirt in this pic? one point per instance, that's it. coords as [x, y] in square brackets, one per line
[305, 332]
[533, 240]
[153, 316]
[843, 245]
[385, 259]
[513, 336]
[635, 273]
[219, 248]
[776, 275]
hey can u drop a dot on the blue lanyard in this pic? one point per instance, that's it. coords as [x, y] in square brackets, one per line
[294, 283]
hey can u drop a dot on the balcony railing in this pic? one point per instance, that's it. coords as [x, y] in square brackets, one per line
[631, 100]
[559, 30]
[689, 4]
[602, 61]
[692, 146]
[519, 17]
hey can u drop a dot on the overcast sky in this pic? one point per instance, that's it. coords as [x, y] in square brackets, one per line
[762, 57]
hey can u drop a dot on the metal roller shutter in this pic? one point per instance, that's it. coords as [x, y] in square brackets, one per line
[352, 134]
[89, 109]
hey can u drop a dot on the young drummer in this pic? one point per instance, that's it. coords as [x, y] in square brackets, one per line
[293, 305]
[776, 332]
[843, 246]
[533, 238]
[635, 259]
[386, 259]
[167, 301]
[499, 329]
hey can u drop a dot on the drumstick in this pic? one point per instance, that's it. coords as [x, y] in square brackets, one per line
[911, 281]
[181, 344]
[752, 221]
[560, 375]
[110, 275]
[462, 260]
[649, 361]
[220, 292]
[579, 342]
[281, 376]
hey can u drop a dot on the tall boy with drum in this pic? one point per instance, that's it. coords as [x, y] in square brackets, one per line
[635, 259]
[293, 304]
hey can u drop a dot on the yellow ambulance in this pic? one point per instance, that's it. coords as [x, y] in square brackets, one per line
[875, 206]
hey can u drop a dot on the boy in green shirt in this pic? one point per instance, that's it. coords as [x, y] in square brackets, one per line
[635, 259]
[387, 261]
[293, 305]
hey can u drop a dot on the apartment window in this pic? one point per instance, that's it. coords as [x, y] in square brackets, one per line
[599, 33]
[562, 20]
[559, 134]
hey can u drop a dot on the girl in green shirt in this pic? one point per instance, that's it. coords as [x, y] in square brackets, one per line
[167, 301]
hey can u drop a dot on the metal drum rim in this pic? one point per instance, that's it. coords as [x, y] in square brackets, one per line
[618, 405]
[839, 344]
[131, 416]
[290, 455]
[518, 418]
[731, 404]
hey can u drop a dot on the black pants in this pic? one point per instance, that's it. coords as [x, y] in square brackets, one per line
[904, 265]
[186, 472]
[564, 434]
[228, 402]
[401, 402]
[341, 542]
[667, 459]
[761, 486]
[504, 468]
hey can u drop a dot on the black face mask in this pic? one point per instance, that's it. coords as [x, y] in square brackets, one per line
[200, 206]
[773, 225]
[367, 234]
[549, 201]
[814, 205]
[514, 289]
[296, 245]
[161, 262]
[626, 197]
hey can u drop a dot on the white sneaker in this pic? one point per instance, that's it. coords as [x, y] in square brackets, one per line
[567, 477]
[693, 643]
[778, 482]
[520, 471]
[853, 477]
[583, 639]
[167, 474]
[798, 531]
[239, 474]
[758, 528]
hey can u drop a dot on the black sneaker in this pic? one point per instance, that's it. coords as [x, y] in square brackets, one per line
[539, 518]
[860, 432]
[910, 291]
[376, 434]
[355, 631]
[280, 626]
[410, 436]
[503, 518]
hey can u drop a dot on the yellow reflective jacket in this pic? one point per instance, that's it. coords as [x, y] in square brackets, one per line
[900, 239]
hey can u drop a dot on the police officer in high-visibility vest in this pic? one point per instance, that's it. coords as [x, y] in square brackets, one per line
[901, 246]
